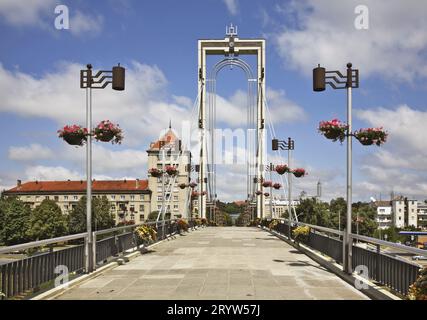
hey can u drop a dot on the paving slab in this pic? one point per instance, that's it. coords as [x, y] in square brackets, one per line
[218, 263]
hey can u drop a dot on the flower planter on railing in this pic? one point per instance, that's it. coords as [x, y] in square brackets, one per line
[74, 135]
[155, 172]
[182, 186]
[171, 170]
[267, 184]
[371, 136]
[334, 130]
[107, 131]
[282, 168]
[299, 172]
[277, 186]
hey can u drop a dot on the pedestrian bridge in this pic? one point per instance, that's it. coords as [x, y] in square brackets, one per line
[219, 263]
[259, 262]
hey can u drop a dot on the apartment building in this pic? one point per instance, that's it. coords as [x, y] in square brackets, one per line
[130, 199]
[278, 207]
[401, 212]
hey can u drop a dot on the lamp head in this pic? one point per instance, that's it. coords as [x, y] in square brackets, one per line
[319, 74]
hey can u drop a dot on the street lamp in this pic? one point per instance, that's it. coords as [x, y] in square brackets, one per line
[289, 145]
[89, 81]
[337, 80]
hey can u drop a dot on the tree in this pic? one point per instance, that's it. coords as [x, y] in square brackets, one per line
[102, 218]
[14, 221]
[47, 221]
[367, 223]
[313, 212]
[153, 216]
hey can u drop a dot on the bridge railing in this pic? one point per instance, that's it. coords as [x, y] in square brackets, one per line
[375, 258]
[43, 261]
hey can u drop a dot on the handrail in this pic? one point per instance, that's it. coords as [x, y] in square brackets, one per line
[39, 243]
[403, 247]
[324, 229]
[130, 226]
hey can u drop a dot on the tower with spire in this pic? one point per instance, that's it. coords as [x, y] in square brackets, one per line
[168, 149]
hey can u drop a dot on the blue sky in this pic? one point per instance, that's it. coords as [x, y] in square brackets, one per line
[157, 42]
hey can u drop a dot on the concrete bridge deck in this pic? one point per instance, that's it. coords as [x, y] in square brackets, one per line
[219, 263]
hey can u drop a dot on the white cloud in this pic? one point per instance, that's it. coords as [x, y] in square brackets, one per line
[30, 153]
[400, 163]
[142, 109]
[85, 24]
[26, 13]
[393, 46]
[232, 6]
[51, 173]
[232, 111]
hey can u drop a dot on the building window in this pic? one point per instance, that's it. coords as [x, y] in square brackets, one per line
[132, 208]
[132, 217]
[159, 198]
[159, 207]
[122, 197]
[141, 208]
[113, 207]
[75, 197]
[113, 197]
[66, 207]
[400, 210]
[175, 198]
[176, 207]
[65, 197]
[56, 198]
[141, 217]
[46, 197]
[132, 197]
[141, 197]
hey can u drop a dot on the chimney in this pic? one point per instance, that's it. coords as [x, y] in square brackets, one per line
[137, 183]
[18, 183]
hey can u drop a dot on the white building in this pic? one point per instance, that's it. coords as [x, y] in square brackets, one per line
[384, 217]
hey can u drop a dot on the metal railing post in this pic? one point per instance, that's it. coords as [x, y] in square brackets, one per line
[94, 251]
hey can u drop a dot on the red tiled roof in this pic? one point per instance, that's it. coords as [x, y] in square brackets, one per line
[240, 203]
[169, 137]
[80, 186]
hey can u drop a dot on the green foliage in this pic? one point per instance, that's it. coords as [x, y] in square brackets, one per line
[47, 221]
[153, 216]
[102, 218]
[313, 212]
[14, 221]
[230, 208]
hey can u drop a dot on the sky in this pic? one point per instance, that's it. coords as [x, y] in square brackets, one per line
[156, 41]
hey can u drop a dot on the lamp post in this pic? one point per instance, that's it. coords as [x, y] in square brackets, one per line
[337, 80]
[88, 81]
[289, 146]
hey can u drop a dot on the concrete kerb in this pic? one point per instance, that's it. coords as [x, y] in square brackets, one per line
[374, 291]
[59, 290]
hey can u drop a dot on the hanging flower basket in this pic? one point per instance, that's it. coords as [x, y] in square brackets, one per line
[282, 168]
[192, 185]
[258, 193]
[334, 130]
[171, 170]
[267, 184]
[155, 172]
[299, 172]
[107, 131]
[277, 186]
[203, 193]
[266, 194]
[182, 186]
[74, 135]
[371, 136]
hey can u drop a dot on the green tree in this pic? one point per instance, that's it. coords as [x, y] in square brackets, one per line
[367, 223]
[313, 212]
[47, 221]
[153, 216]
[14, 221]
[102, 218]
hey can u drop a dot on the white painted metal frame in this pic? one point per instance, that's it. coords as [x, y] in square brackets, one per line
[240, 47]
